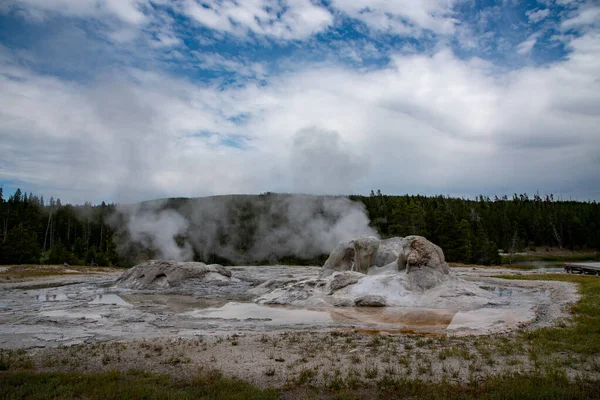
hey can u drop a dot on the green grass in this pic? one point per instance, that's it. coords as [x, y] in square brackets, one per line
[520, 266]
[129, 385]
[527, 267]
[136, 384]
[582, 336]
[523, 258]
[15, 360]
[28, 272]
[548, 386]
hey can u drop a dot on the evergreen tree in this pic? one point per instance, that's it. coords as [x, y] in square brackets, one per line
[463, 251]
[32, 229]
[20, 247]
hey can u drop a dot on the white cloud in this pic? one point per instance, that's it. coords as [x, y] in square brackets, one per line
[322, 162]
[165, 40]
[240, 66]
[536, 16]
[123, 22]
[288, 19]
[586, 15]
[128, 11]
[526, 46]
[402, 17]
[425, 123]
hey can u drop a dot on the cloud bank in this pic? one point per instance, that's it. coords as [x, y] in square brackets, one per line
[147, 99]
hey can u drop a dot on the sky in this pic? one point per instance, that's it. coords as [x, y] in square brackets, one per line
[129, 100]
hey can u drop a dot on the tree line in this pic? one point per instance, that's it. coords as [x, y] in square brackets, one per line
[473, 231]
[36, 231]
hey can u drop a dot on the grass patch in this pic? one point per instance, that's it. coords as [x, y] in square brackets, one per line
[582, 336]
[28, 272]
[517, 265]
[129, 385]
[136, 384]
[16, 273]
[547, 386]
[11, 360]
[525, 267]
[523, 258]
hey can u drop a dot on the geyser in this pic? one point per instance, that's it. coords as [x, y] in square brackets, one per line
[406, 272]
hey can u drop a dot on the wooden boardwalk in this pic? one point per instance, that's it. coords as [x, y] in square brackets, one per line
[588, 268]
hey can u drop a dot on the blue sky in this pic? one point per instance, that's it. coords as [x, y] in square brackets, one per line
[125, 100]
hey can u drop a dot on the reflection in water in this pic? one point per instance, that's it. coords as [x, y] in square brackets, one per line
[111, 299]
[268, 315]
[173, 302]
[372, 317]
[490, 318]
[503, 292]
[389, 319]
[51, 297]
[71, 314]
[422, 319]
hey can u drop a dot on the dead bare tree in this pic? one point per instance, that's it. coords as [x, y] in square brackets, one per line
[47, 228]
[557, 236]
[5, 224]
[513, 246]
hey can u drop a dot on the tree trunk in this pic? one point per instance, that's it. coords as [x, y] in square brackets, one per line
[47, 229]
[5, 224]
[513, 246]
[557, 236]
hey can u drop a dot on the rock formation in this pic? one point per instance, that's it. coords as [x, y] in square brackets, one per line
[341, 258]
[372, 256]
[370, 301]
[365, 249]
[164, 274]
[340, 281]
[368, 272]
[418, 252]
[424, 263]
[355, 255]
[388, 251]
[364, 272]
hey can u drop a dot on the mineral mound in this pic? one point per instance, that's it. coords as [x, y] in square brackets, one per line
[165, 274]
[368, 272]
[420, 258]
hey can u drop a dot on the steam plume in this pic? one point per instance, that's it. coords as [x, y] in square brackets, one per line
[243, 228]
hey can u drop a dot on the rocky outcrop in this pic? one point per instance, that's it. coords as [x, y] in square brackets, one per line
[419, 252]
[396, 272]
[341, 258]
[365, 250]
[343, 279]
[388, 251]
[424, 262]
[370, 301]
[165, 274]
[369, 255]
[355, 255]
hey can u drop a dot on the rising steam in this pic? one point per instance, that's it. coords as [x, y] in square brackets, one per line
[243, 228]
